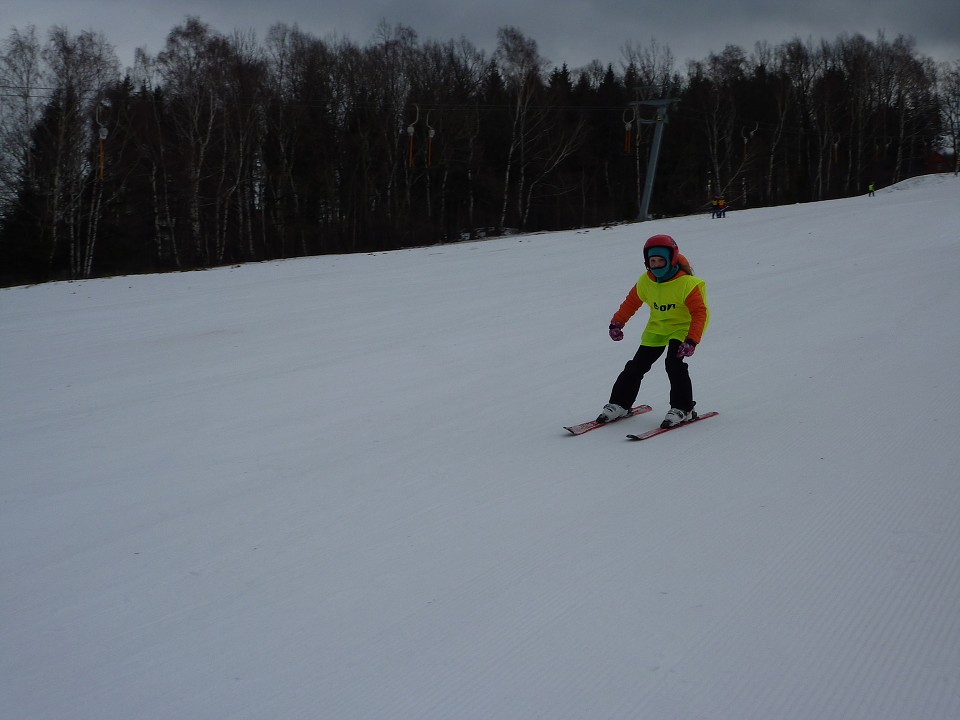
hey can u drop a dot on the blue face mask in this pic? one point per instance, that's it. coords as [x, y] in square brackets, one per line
[667, 271]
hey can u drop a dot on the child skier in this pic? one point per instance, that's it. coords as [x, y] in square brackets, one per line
[678, 316]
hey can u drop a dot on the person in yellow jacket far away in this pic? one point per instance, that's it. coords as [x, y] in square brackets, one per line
[679, 315]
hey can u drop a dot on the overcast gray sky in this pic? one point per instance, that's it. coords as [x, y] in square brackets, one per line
[570, 31]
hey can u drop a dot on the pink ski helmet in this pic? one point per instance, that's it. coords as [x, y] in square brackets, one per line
[662, 241]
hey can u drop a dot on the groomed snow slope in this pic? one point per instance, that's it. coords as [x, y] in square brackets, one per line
[338, 487]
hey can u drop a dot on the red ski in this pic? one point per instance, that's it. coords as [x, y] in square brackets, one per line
[593, 424]
[659, 431]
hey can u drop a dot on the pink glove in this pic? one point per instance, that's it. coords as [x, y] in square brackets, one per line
[686, 349]
[616, 331]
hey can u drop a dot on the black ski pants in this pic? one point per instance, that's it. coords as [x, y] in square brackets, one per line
[627, 386]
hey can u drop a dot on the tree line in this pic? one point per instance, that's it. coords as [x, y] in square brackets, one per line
[221, 149]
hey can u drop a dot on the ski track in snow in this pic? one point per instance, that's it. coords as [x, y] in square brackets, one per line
[339, 487]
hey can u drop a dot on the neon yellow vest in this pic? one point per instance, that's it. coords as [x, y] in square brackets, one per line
[669, 316]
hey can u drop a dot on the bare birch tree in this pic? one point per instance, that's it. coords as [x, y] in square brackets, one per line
[186, 67]
[80, 68]
[21, 99]
[522, 68]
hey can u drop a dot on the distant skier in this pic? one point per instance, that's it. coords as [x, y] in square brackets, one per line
[679, 314]
[870, 190]
[719, 206]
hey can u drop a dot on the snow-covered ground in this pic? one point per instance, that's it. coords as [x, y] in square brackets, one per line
[339, 487]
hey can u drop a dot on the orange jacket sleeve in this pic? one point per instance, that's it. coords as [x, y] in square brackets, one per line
[698, 313]
[628, 307]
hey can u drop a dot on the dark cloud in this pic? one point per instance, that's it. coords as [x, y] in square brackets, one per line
[567, 31]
